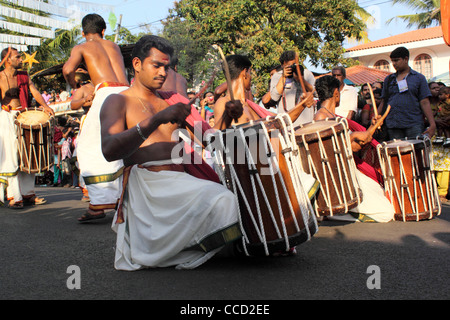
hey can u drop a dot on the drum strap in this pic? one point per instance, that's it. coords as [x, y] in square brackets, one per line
[103, 177]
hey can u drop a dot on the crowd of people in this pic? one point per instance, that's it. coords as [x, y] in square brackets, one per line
[171, 213]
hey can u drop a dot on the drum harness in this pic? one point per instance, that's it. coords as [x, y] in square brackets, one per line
[290, 152]
[389, 181]
[326, 167]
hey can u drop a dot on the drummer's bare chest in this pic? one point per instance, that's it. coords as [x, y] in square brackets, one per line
[8, 86]
[163, 133]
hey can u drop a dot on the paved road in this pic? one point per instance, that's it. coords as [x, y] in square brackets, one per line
[38, 244]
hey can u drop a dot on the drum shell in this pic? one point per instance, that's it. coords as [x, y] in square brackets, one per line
[410, 160]
[332, 135]
[240, 165]
[35, 145]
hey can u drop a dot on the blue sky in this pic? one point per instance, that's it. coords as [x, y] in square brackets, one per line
[138, 12]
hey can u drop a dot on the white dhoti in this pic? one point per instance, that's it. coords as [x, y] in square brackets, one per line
[374, 204]
[173, 219]
[9, 161]
[102, 178]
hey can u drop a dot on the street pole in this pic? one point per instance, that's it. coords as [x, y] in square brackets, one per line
[118, 29]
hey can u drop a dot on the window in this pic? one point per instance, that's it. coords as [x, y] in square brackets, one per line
[422, 64]
[382, 65]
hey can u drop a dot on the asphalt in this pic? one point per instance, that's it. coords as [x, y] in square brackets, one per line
[342, 261]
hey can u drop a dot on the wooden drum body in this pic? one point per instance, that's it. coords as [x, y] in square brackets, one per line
[325, 153]
[408, 180]
[257, 162]
[35, 135]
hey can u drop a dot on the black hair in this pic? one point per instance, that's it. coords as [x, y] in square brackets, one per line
[325, 87]
[93, 23]
[341, 69]
[5, 52]
[142, 48]
[237, 63]
[400, 52]
[444, 90]
[287, 56]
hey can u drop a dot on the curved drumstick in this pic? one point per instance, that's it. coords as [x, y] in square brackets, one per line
[202, 90]
[227, 71]
[379, 122]
[375, 110]
[297, 66]
[6, 57]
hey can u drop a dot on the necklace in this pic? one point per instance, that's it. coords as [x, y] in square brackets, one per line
[329, 111]
[145, 108]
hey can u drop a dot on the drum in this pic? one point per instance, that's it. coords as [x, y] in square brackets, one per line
[325, 152]
[35, 137]
[408, 180]
[258, 162]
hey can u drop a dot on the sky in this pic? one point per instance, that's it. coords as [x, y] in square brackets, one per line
[150, 12]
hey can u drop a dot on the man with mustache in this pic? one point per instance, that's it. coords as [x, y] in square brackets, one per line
[167, 217]
[106, 69]
[15, 87]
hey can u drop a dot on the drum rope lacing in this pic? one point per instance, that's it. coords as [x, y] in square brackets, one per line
[32, 154]
[326, 166]
[391, 185]
[273, 163]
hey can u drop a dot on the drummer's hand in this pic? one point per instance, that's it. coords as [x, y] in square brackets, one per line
[175, 113]
[234, 109]
[49, 110]
[308, 99]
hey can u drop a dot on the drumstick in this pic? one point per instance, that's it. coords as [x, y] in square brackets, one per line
[379, 122]
[6, 57]
[375, 110]
[227, 71]
[202, 90]
[297, 66]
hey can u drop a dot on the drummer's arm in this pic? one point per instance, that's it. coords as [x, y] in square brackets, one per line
[38, 97]
[306, 102]
[71, 66]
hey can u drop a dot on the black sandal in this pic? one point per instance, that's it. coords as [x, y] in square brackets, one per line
[87, 216]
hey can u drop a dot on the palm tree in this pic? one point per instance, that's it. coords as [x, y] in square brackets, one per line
[429, 13]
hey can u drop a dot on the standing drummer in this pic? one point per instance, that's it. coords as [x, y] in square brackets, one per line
[106, 68]
[15, 87]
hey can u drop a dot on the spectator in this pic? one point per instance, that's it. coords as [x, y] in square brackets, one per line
[349, 95]
[407, 92]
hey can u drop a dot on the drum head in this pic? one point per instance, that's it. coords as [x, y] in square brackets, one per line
[32, 118]
[323, 128]
[404, 146]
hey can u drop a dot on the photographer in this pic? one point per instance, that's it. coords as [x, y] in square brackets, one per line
[285, 87]
[207, 105]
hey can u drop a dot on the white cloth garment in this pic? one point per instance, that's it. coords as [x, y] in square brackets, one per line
[348, 101]
[90, 156]
[167, 214]
[374, 203]
[9, 161]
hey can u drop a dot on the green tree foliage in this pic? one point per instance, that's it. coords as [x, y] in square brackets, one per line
[263, 29]
[428, 13]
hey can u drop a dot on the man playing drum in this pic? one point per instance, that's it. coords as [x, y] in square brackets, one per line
[105, 66]
[15, 87]
[375, 206]
[167, 217]
[240, 76]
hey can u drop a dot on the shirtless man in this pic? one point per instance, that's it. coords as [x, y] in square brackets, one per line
[175, 82]
[167, 214]
[106, 69]
[375, 206]
[15, 86]
[240, 73]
